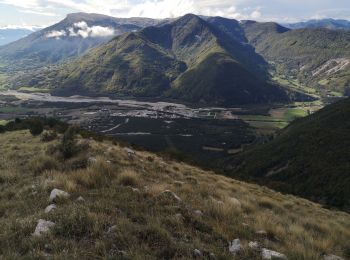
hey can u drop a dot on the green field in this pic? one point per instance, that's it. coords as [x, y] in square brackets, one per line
[3, 122]
[278, 118]
[9, 110]
[33, 89]
[294, 85]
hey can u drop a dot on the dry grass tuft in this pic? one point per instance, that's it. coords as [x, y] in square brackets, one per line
[129, 177]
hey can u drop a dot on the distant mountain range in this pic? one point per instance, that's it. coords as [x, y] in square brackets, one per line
[8, 35]
[308, 158]
[195, 59]
[69, 38]
[321, 23]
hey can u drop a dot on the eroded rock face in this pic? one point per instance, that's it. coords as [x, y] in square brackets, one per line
[43, 227]
[269, 254]
[58, 194]
[235, 246]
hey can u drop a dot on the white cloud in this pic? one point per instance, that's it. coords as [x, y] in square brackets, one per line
[239, 9]
[56, 34]
[134, 8]
[81, 29]
[99, 31]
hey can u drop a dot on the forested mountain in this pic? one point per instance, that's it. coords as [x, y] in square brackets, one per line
[308, 158]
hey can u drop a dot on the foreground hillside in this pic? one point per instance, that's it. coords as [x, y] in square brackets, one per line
[131, 205]
[309, 158]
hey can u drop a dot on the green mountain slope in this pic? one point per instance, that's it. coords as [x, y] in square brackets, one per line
[319, 58]
[309, 158]
[188, 59]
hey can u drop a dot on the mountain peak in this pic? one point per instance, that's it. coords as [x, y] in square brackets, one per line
[189, 17]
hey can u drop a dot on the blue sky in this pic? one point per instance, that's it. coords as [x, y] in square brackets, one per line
[27, 13]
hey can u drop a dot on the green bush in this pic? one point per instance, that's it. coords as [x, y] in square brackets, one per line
[36, 126]
[48, 136]
[68, 146]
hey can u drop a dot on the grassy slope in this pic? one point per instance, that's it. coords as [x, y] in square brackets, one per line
[146, 225]
[309, 158]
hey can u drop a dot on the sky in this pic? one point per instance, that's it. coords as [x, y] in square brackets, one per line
[32, 13]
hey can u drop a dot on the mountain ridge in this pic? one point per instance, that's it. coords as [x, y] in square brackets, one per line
[188, 40]
[329, 23]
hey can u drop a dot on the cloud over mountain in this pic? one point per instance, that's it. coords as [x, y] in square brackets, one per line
[81, 29]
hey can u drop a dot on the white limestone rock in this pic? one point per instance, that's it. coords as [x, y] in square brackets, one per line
[58, 194]
[43, 227]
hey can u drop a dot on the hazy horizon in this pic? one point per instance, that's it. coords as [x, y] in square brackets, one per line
[40, 13]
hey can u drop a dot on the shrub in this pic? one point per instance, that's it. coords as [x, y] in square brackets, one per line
[35, 125]
[68, 146]
[48, 136]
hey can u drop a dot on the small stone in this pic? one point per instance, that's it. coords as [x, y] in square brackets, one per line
[80, 199]
[197, 253]
[131, 153]
[172, 194]
[92, 160]
[198, 213]
[269, 254]
[254, 245]
[179, 216]
[179, 183]
[235, 202]
[135, 190]
[43, 227]
[245, 225]
[261, 233]
[58, 194]
[50, 208]
[112, 229]
[235, 246]
[332, 257]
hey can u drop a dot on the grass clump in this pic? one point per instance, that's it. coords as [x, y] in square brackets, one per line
[77, 223]
[128, 178]
[43, 163]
